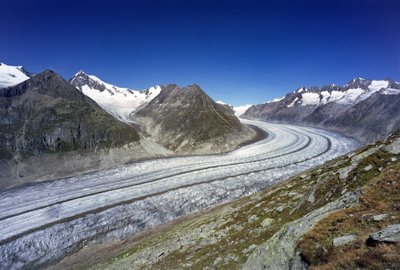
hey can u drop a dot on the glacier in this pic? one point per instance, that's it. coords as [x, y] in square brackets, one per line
[43, 222]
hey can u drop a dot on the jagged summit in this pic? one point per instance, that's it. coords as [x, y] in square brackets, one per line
[80, 73]
[17, 67]
[301, 89]
[356, 90]
[118, 101]
[194, 87]
[39, 83]
[359, 79]
[49, 83]
[358, 83]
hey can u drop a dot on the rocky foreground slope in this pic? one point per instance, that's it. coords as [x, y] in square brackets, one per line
[343, 215]
[364, 109]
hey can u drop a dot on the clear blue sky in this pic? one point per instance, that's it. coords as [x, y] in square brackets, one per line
[237, 51]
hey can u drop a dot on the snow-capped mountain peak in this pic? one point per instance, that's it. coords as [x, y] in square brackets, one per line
[355, 91]
[301, 89]
[118, 101]
[362, 108]
[378, 85]
[12, 75]
[358, 83]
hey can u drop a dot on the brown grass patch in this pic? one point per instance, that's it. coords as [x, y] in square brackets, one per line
[381, 196]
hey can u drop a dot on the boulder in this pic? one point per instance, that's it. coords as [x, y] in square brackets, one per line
[379, 217]
[394, 147]
[343, 240]
[250, 248]
[280, 208]
[368, 168]
[267, 222]
[279, 252]
[391, 234]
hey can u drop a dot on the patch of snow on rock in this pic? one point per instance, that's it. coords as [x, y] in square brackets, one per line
[378, 85]
[293, 102]
[310, 99]
[351, 96]
[391, 91]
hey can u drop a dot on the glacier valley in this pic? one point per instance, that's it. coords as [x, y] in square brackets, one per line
[42, 223]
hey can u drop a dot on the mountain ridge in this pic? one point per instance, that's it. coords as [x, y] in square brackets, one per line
[339, 108]
[118, 101]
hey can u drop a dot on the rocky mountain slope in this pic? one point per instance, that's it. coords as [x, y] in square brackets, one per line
[187, 120]
[346, 210]
[118, 101]
[364, 109]
[44, 118]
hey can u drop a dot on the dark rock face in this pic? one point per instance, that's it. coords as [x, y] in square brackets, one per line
[366, 119]
[184, 118]
[46, 114]
[81, 78]
[372, 119]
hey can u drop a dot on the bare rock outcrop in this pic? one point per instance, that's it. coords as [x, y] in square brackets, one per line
[279, 252]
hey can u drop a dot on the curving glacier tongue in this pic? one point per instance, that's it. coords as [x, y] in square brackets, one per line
[42, 223]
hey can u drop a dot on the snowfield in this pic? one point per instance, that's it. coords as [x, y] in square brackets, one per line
[350, 96]
[117, 101]
[44, 222]
[11, 75]
[239, 110]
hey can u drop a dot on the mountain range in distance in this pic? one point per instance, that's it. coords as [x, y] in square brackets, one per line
[45, 116]
[53, 128]
[367, 110]
[339, 108]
